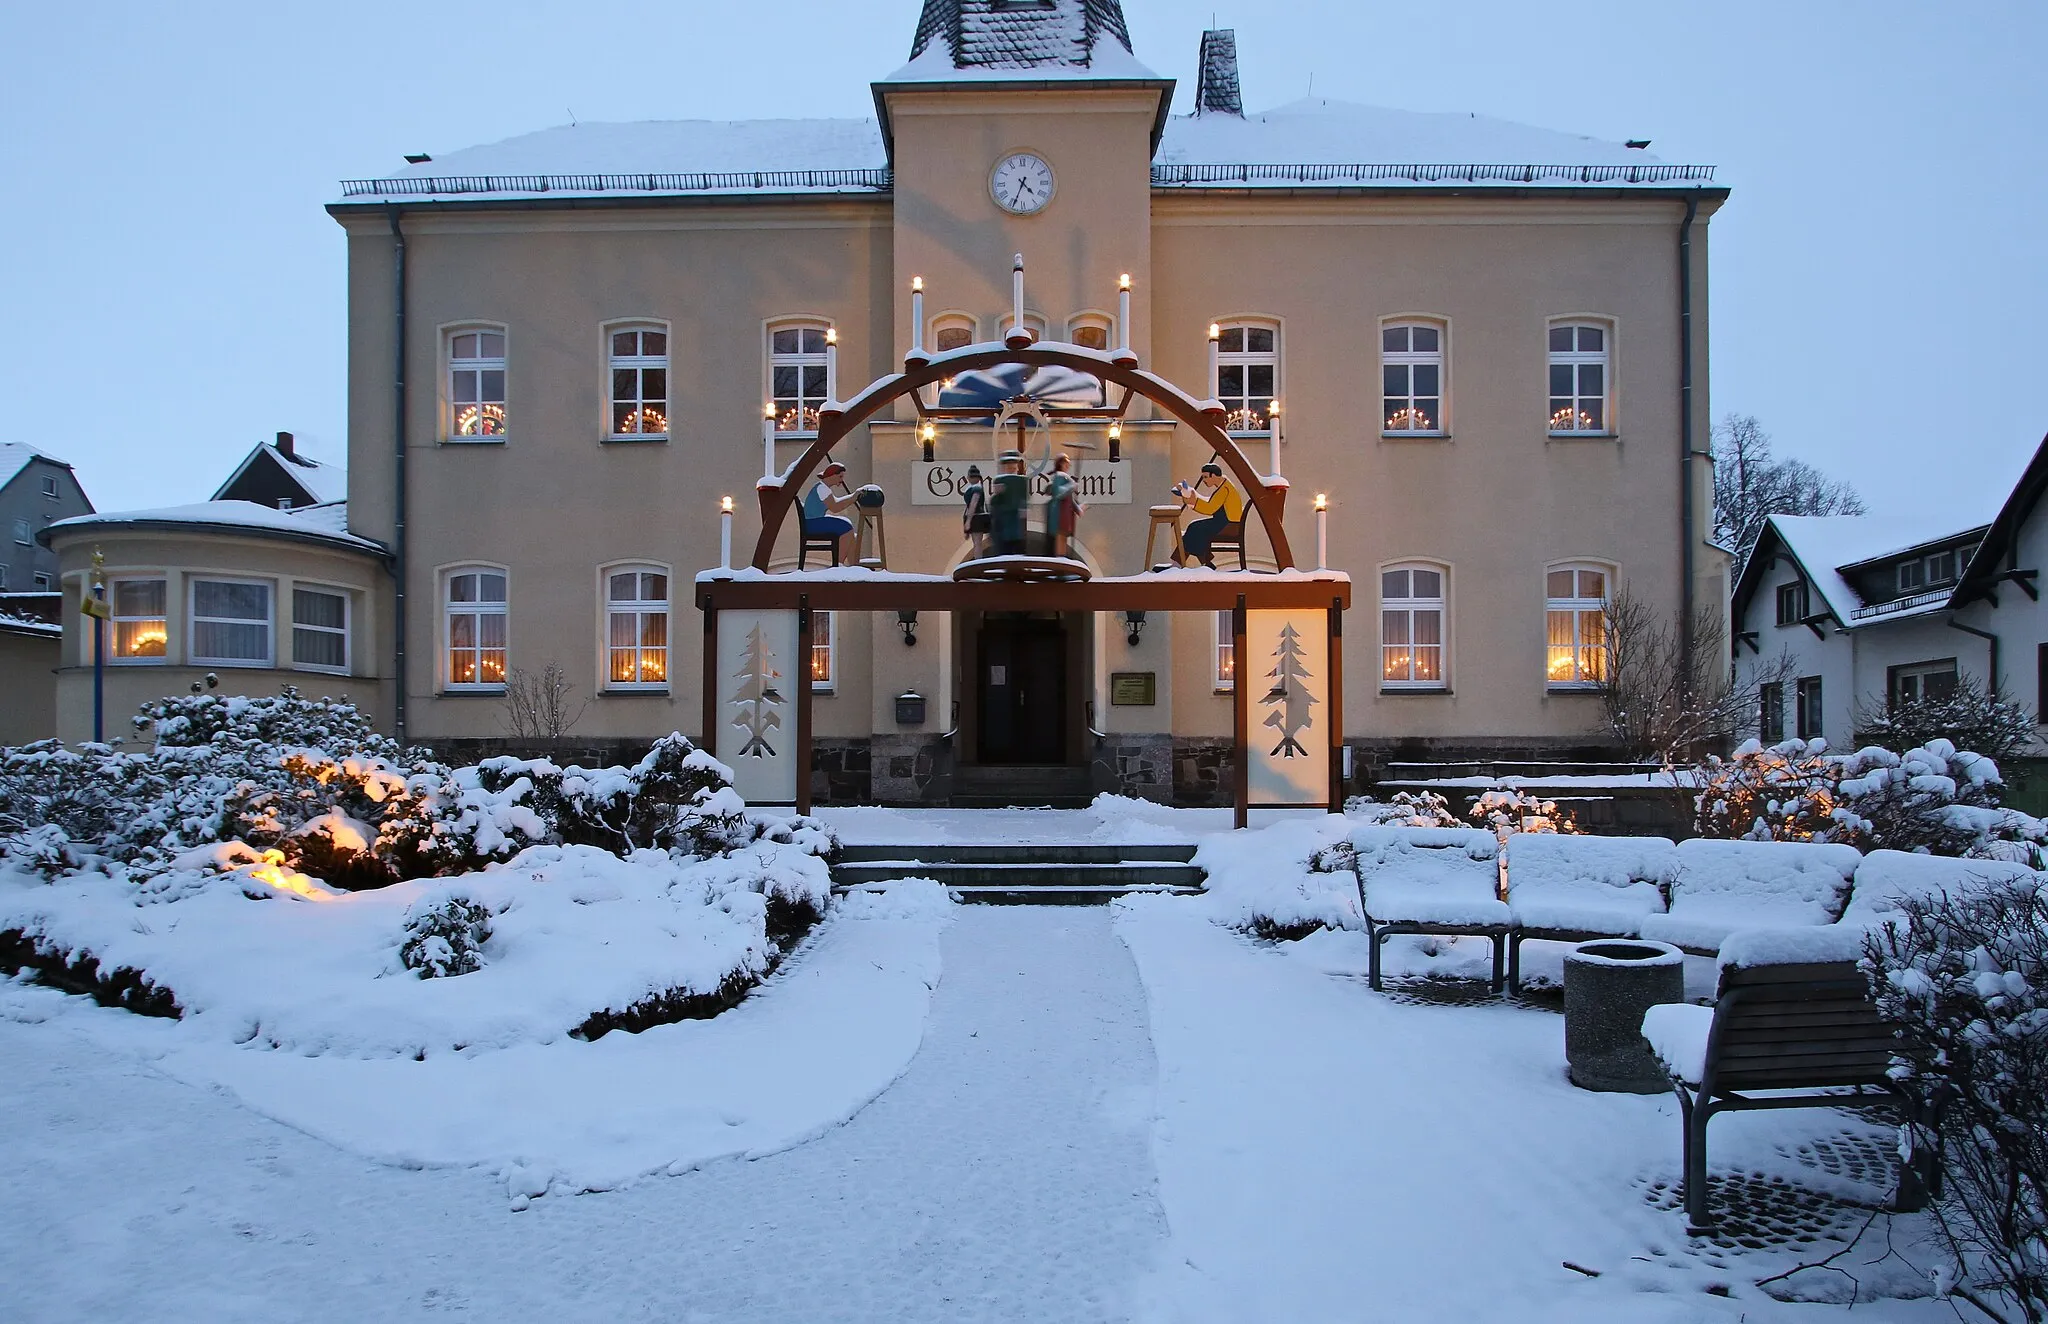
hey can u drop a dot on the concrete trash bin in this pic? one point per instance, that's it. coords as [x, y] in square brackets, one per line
[1608, 985]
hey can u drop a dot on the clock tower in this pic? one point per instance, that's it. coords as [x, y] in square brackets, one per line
[1023, 126]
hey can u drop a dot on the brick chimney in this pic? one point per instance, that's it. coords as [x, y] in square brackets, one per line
[284, 445]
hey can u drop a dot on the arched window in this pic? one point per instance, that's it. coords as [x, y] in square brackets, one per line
[1580, 380]
[636, 627]
[1412, 378]
[1575, 625]
[1412, 627]
[952, 331]
[639, 381]
[476, 385]
[796, 376]
[474, 621]
[1091, 331]
[1247, 376]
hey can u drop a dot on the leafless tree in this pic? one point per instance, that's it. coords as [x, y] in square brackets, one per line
[1751, 482]
[537, 704]
[1667, 698]
[1969, 715]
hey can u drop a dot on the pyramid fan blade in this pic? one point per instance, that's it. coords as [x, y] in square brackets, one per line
[983, 388]
[1063, 386]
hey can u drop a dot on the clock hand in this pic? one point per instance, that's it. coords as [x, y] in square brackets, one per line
[1018, 197]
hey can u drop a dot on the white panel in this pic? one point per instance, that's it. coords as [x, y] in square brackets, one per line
[1287, 662]
[758, 672]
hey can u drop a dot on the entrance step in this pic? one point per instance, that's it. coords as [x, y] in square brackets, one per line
[1019, 785]
[1039, 874]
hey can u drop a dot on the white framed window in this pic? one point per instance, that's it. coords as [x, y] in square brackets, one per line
[824, 653]
[1412, 378]
[1807, 702]
[638, 362]
[42, 582]
[1928, 572]
[1091, 331]
[1248, 376]
[1580, 381]
[952, 331]
[1412, 627]
[320, 619]
[476, 385]
[1792, 602]
[796, 376]
[1575, 626]
[474, 627]
[230, 623]
[140, 625]
[1223, 653]
[24, 535]
[1771, 718]
[50, 486]
[1921, 681]
[636, 612]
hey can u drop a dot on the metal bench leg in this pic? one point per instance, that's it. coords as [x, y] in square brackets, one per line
[1500, 941]
[1374, 937]
[1515, 964]
[1698, 1203]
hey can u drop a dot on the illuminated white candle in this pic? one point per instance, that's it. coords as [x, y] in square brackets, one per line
[1273, 431]
[1017, 295]
[1322, 531]
[832, 364]
[725, 533]
[768, 440]
[1215, 343]
[1123, 312]
[917, 316]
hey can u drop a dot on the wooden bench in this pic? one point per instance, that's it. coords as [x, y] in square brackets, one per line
[1808, 1033]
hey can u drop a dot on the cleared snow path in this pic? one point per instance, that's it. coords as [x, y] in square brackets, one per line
[1006, 1176]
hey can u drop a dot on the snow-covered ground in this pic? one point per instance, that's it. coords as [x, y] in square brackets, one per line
[1111, 820]
[1098, 1113]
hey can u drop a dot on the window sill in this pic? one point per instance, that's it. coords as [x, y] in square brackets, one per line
[1576, 688]
[1425, 691]
[474, 441]
[634, 692]
[1406, 435]
[827, 690]
[232, 664]
[638, 439]
[796, 436]
[1583, 436]
[471, 692]
[310, 669]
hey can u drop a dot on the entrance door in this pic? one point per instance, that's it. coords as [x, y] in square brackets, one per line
[1023, 691]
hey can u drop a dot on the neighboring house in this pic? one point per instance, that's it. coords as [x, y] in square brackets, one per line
[1475, 327]
[36, 490]
[1875, 611]
[29, 650]
[276, 475]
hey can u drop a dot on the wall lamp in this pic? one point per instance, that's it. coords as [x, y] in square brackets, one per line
[906, 621]
[1134, 621]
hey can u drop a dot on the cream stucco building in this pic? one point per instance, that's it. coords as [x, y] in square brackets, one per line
[1486, 343]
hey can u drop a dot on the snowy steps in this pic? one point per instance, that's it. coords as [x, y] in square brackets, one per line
[1011, 785]
[1081, 873]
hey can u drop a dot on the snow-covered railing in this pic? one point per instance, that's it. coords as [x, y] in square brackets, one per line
[1171, 176]
[879, 180]
[1911, 602]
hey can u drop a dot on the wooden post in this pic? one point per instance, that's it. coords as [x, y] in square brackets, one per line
[802, 668]
[709, 681]
[1334, 709]
[1241, 715]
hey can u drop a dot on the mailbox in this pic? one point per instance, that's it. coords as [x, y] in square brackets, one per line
[910, 708]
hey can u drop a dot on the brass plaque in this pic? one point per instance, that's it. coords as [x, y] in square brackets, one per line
[1133, 689]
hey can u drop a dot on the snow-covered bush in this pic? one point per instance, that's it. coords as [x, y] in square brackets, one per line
[1969, 716]
[1284, 880]
[1965, 976]
[677, 798]
[1404, 809]
[1784, 792]
[445, 937]
[1938, 799]
[1515, 810]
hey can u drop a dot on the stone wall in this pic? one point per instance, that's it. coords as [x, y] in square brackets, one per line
[1139, 766]
[910, 770]
[840, 770]
[1204, 769]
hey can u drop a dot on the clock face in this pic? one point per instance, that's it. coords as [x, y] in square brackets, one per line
[1021, 183]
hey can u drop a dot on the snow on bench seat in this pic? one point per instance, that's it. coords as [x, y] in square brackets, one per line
[1677, 1033]
[1888, 878]
[1719, 887]
[1601, 886]
[1438, 876]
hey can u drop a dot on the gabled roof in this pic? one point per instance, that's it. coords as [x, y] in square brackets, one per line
[1982, 573]
[15, 456]
[320, 482]
[1822, 546]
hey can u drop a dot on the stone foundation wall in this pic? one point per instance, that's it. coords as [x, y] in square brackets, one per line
[1139, 766]
[911, 770]
[1204, 769]
[840, 771]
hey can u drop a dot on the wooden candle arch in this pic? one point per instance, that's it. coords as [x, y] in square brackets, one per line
[834, 425]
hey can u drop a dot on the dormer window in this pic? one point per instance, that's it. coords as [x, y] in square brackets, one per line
[1927, 572]
[1792, 602]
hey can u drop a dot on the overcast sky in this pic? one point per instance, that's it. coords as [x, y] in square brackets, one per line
[172, 291]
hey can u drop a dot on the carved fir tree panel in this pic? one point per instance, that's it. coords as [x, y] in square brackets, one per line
[1286, 668]
[758, 673]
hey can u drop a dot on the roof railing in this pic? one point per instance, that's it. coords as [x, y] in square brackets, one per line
[876, 180]
[1181, 176]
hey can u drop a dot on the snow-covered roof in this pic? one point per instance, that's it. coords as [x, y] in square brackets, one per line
[1314, 142]
[321, 482]
[1824, 544]
[15, 456]
[323, 523]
